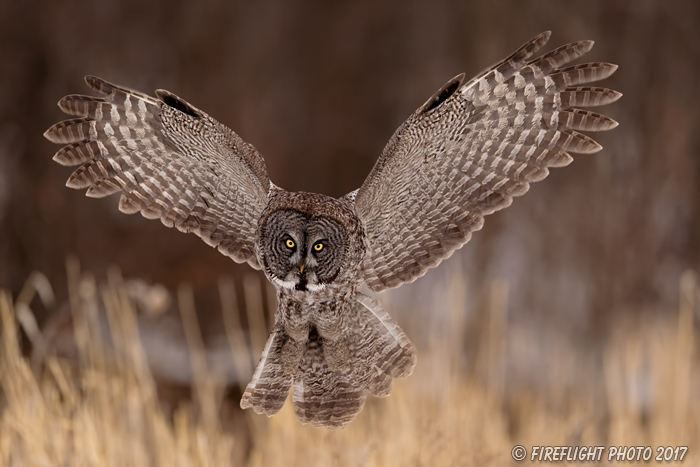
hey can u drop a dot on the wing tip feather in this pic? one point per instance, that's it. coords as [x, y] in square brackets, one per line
[534, 44]
[613, 96]
[591, 147]
[51, 136]
[561, 159]
[610, 124]
[60, 157]
[541, 39]
[93, 192]
[93, 81]
[613, 68]
[127, 205]
[63, 104]
[586, 45]
[74, 184]
[606, 70]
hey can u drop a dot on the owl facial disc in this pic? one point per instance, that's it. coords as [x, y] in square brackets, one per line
[302, 252]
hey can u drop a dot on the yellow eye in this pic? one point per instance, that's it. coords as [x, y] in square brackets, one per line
[290, 243]
[318, 246]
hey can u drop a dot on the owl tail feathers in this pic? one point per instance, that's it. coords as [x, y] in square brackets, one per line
[270, 385]
[378, 352]
[333, 404]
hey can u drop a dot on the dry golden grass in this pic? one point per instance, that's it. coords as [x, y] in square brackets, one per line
[442, 415]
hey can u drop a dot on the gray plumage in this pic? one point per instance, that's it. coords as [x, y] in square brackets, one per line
[464, 154]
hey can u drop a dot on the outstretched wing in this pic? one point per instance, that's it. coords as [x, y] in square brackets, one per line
[170, 160]
[469, 150]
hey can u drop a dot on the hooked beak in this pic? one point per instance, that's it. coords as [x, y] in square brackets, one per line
[301, 269]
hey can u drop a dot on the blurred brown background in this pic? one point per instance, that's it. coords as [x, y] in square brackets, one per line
[319, 87]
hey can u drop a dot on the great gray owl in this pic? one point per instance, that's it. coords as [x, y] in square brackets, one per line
[463, 154]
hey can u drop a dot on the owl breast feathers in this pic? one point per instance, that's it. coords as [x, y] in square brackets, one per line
[465, 153]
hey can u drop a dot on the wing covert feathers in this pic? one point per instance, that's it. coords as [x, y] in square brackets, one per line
[465, 155]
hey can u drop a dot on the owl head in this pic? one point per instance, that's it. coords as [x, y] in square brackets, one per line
[308, 242]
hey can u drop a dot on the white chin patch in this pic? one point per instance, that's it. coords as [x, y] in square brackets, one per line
[285, 284]
[315, 287]
[292, 285]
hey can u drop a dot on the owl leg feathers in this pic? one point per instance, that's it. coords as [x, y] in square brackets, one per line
[323, 397]
[292, 351]
[333, 376]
